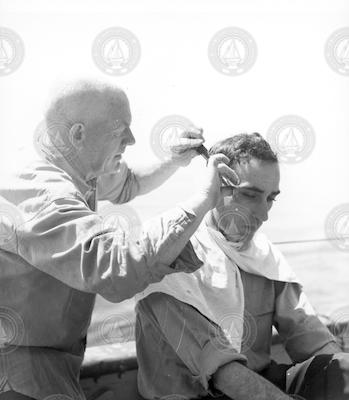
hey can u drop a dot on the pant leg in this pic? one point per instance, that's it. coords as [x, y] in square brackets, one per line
[323, 380]
[318, 378]
[276, 374]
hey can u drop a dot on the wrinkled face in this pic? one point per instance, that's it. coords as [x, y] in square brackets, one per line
[109, 135]
[242, 211]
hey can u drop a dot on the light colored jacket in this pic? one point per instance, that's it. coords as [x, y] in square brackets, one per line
[55, 256]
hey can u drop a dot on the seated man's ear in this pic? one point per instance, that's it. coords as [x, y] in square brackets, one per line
[77, 134]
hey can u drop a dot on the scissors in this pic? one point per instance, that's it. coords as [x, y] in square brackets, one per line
[226, 181]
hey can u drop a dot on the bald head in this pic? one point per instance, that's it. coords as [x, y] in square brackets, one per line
[86, 102]
[92, 121]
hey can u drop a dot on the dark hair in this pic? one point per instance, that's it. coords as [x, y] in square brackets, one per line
[243, 147]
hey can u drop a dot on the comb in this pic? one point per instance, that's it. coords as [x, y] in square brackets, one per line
[227, 182]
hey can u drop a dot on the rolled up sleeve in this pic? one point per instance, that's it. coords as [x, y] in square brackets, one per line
[296, 321]
[67, 240]
[118, 187]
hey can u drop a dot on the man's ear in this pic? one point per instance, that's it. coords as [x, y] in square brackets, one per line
[77, 134]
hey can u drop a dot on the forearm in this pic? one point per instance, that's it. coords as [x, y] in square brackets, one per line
[78, 250]
[153, 176]
[182, 221]
[128, 268]
[240, 383]
[303, 333]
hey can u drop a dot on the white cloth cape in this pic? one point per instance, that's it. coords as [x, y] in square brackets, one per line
[216, 288]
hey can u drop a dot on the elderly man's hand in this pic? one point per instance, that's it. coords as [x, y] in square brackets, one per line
[217, 167]
[183, 148]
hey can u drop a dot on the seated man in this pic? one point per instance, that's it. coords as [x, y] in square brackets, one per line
[210, 331]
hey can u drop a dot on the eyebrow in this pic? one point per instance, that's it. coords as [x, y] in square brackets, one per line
[258, 190]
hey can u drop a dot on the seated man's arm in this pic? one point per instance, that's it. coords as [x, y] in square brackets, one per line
[303, 333]
[240, 383]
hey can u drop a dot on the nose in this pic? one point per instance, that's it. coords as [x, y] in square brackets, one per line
[261, 212]
[129, 138]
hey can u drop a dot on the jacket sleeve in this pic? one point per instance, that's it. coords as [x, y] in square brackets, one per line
[303, 333]
[68, 241]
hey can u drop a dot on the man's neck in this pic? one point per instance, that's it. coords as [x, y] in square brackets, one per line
[73, 166]
[211, 221]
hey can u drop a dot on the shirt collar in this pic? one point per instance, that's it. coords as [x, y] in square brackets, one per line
[73, 168]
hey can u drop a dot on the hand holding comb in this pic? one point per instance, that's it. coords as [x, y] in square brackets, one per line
[227, 182]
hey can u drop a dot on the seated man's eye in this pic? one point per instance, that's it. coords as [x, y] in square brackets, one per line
[250, 196]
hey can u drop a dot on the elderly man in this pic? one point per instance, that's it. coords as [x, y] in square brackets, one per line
[58, 254]
[211, 330]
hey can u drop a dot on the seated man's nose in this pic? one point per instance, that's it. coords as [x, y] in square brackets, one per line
[261, 215]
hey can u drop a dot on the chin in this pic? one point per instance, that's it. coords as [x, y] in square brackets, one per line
[244, 238]
[110, 166]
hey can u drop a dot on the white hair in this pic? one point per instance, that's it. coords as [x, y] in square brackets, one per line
[78, 101]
